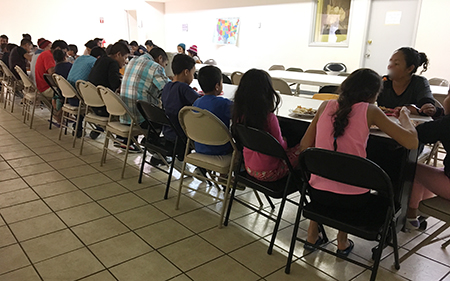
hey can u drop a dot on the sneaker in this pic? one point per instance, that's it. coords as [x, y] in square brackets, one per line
[156, 160]
[94, 134]
[198, 174]
[131, 149]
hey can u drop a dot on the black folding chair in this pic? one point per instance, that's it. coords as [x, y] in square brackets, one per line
[262, 142]
[335, 66]
[371, 223]
[154, 142]
[56, 93]
[329, 89]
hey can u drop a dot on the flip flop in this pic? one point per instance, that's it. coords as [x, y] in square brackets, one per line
[320, 241]
[348, 250]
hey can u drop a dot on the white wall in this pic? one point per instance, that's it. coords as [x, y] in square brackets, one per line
[282, 39]
[76, 22]
[433, 37]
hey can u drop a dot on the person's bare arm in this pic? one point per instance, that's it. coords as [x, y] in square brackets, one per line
[406, 134]
[28, 56]
[309, 139]
[51, 70]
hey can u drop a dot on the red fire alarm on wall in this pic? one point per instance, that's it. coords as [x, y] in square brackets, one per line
[102, 20]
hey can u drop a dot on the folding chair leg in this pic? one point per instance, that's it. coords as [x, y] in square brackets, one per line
[105, 148]
[166, 193]
[32, 113]
[75, 131]
[83, 134]
[277, 225]
[287, 270]
[426, 242]
[142, 165]
[445, 244]
[230, 203]
[395, 246]
[183, 167]
[378, 252]
[61, 128]
[258, 198]
[270, 202]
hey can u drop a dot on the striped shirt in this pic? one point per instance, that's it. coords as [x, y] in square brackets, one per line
[143, 79]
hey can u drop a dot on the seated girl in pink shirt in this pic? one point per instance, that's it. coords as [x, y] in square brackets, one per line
[255, 102]
[343, 126]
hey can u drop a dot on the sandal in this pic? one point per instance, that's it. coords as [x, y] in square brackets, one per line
[346, 251]
[320, 241]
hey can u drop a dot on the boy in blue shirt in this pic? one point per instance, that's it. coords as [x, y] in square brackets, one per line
[176, 95]
[210, 80]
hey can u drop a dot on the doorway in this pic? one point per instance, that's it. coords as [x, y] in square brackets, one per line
[392, 24]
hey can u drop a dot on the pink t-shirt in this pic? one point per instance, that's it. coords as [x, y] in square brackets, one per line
[260, 162]
[353, 141]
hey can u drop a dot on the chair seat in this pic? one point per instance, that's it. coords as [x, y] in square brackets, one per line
[70, 108]
[366, 223]
[94, 118]
[436, 207]
[120, 129]
[218, 163]
[159, 145]
[30, 96]
[273, 189]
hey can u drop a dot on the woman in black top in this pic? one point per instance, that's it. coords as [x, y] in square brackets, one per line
[431, 180]
[402, 87]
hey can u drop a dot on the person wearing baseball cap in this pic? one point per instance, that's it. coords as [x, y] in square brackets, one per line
[193, 53]
[43, 45]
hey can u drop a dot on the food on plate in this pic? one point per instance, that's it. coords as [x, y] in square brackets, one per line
[386, 110]
[304, 110]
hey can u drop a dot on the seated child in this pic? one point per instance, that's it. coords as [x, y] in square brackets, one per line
[176, 95]
[210, 79]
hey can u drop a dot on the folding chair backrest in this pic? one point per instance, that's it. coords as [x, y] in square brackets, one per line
[315, 71]
[114, 104]
[89, 93]
[282, 86]
[259, 141]
[202, 126]
[236, 77]
[211, 62]
[346, 168]
[277, 67]
[52, 83]
[325, 96]
[152, 113]
[66, 88]
[294, 69]
[25, 79]
[329, 89]
[8, 74]
[335, 66]
[438, 82]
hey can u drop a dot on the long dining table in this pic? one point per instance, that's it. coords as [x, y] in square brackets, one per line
[398, 162]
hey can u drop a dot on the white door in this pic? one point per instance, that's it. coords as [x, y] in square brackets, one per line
[392, 24]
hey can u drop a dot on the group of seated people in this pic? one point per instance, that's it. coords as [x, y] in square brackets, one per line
[341, 125]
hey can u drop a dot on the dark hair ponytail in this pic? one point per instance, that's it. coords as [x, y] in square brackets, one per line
[413, 57]
[363, 85]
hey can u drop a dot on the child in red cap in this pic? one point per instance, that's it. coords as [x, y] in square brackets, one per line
[192, 52]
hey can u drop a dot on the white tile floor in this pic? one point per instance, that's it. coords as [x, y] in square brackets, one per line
[64, 217]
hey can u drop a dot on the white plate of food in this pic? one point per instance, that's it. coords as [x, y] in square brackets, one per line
[301, 111]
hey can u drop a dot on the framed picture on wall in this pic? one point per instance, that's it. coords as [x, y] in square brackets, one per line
[331, 23]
